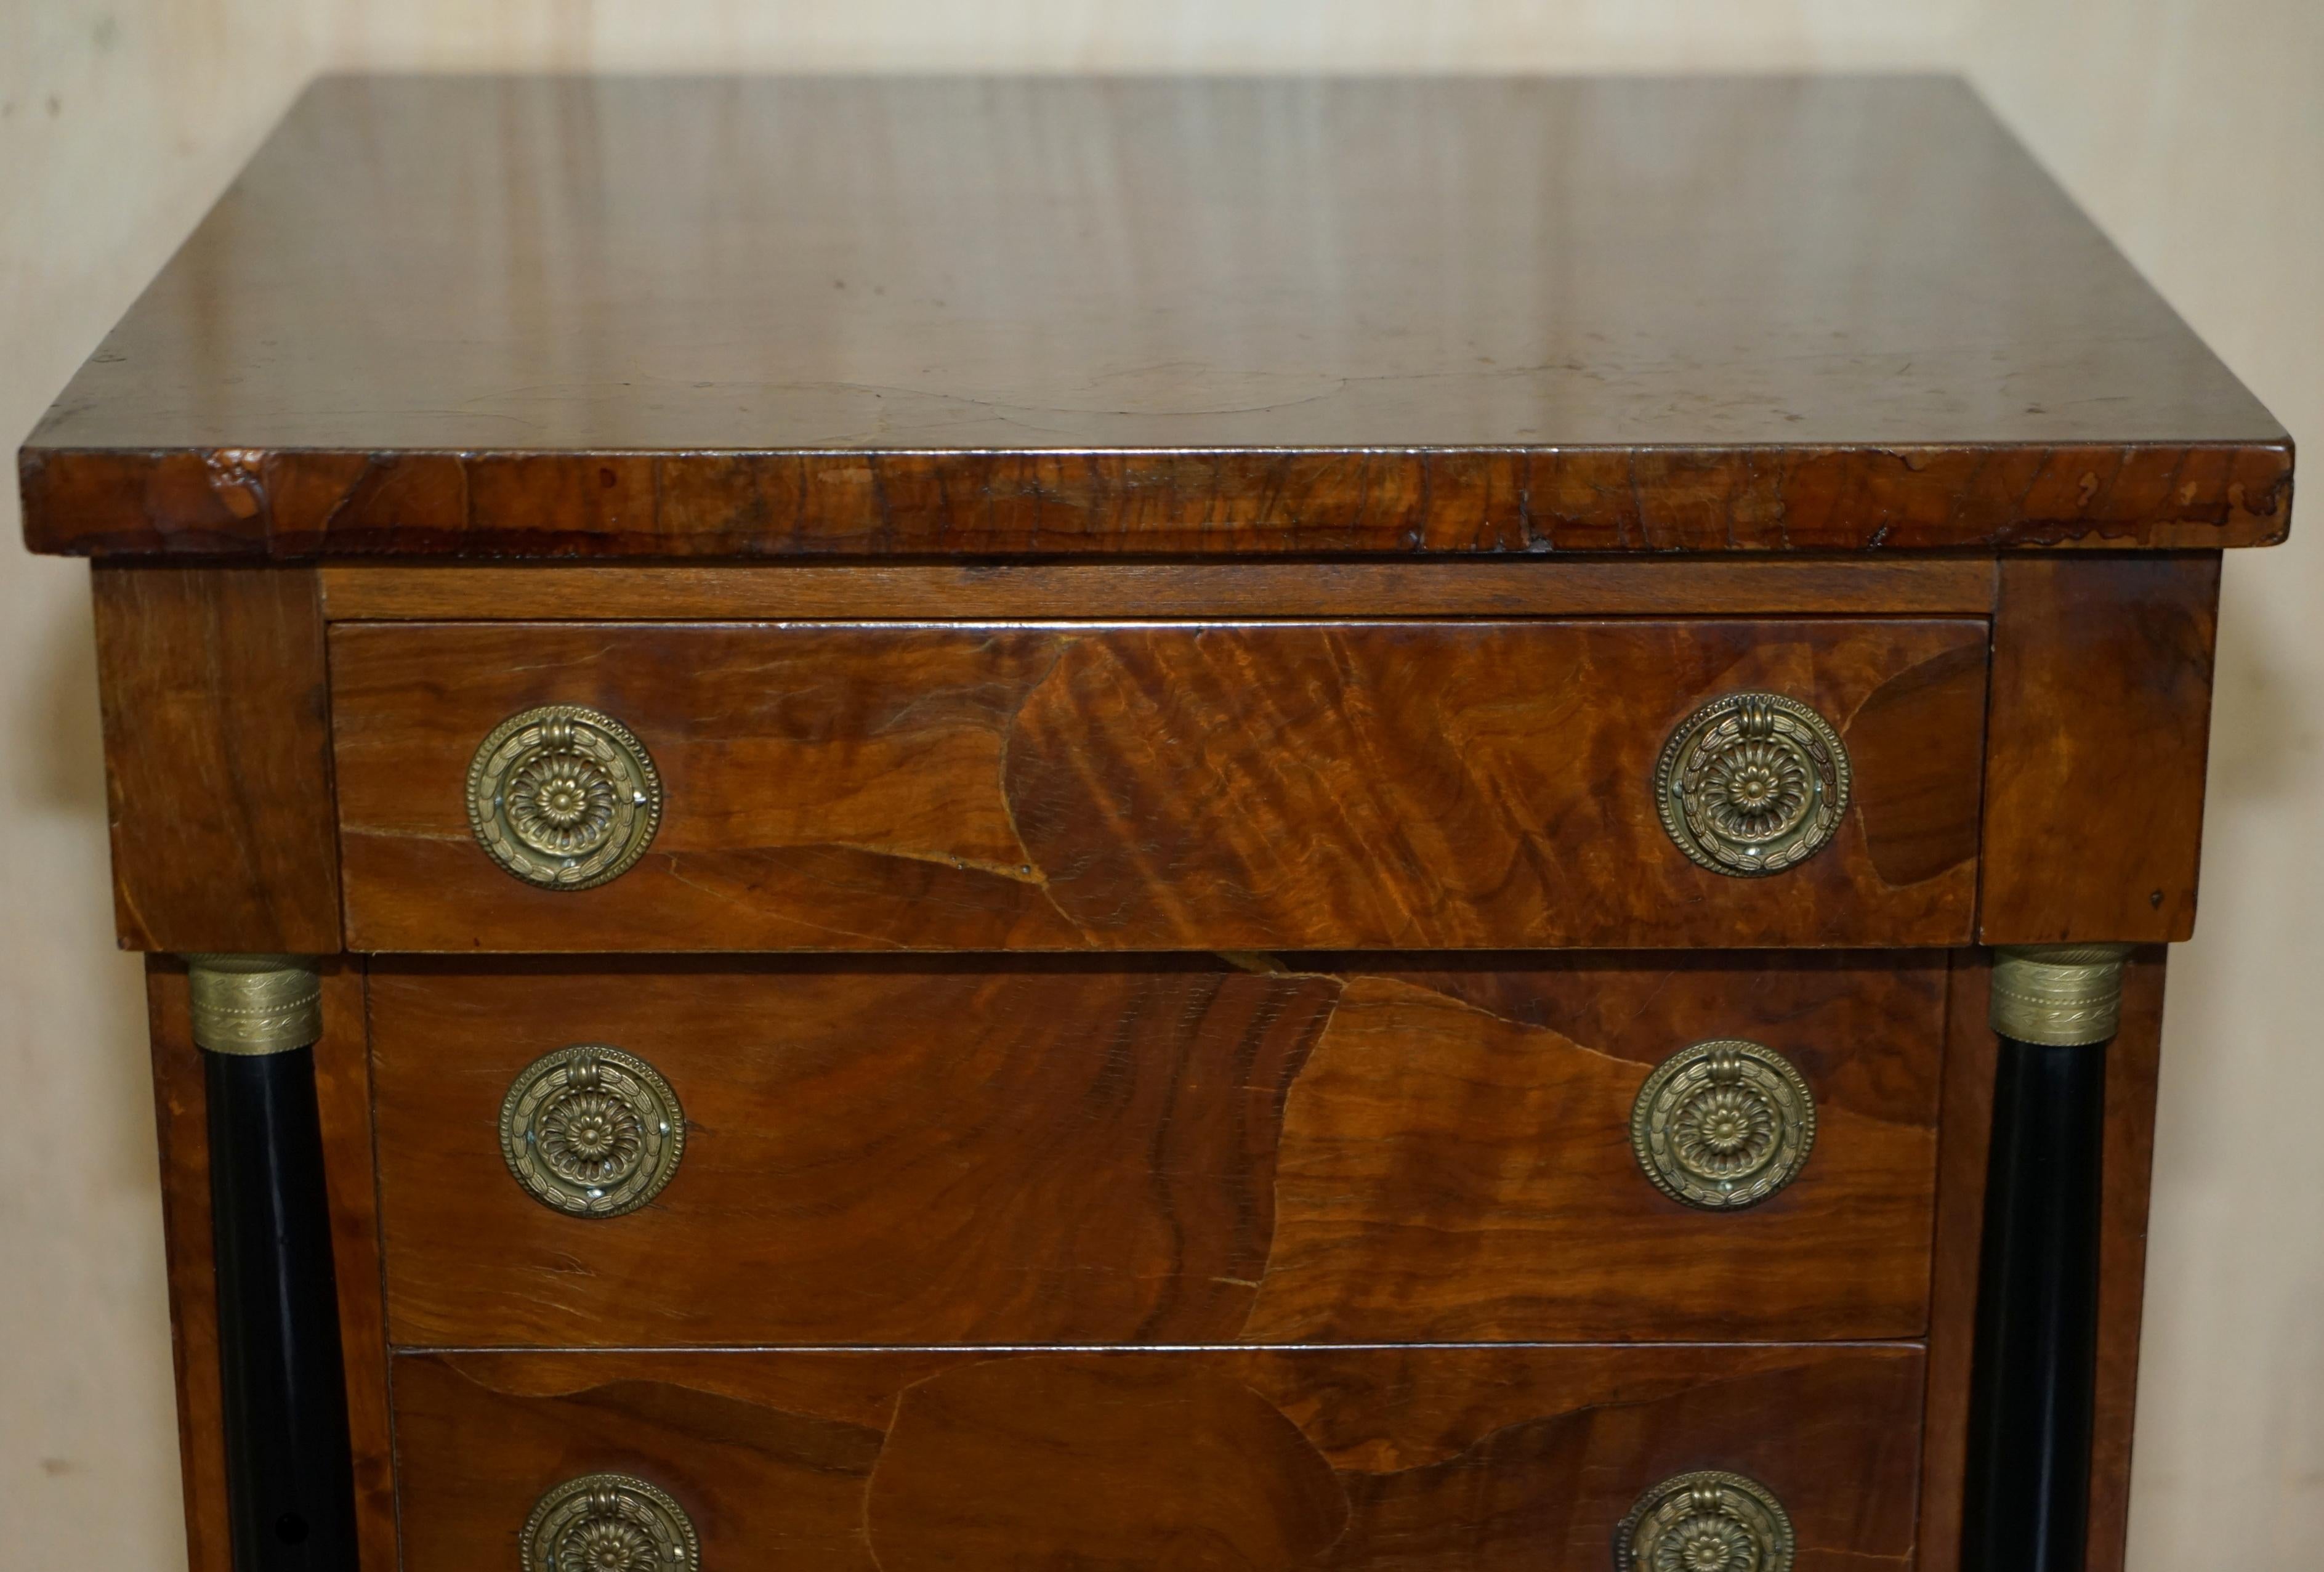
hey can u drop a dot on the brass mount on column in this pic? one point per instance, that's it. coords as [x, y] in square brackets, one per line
[2059, 995]
[255, 1004]
[289, 1458]
[2033, 1376]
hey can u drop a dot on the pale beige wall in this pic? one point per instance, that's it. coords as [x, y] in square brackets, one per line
[2193, 129]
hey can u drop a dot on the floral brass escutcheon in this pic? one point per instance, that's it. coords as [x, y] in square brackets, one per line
[609, 1522]
[592, 1130]
[1752, 783]
[564, 797]
[1723, 1125]
[1707, 1521]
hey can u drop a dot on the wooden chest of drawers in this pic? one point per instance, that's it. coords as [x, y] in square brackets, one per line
[1157, 824]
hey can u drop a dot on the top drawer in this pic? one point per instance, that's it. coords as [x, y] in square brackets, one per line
[1254, 786]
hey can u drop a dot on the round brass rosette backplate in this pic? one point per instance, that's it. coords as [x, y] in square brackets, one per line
[1722, 1125]
[1752, 783]
[564, 797]
[1710, 1522]
[592, 1130]
[609, 1522]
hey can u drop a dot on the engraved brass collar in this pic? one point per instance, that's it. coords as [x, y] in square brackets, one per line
[2059, 995]
[255, 1004]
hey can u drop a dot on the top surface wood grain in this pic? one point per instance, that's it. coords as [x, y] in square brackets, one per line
[476, 316]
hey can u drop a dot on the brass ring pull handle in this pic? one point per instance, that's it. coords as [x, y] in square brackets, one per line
[1752, 783]
[591, 1130]
[1723, 1125]
[609, 1522]
[1709, 1522]
[564, 797]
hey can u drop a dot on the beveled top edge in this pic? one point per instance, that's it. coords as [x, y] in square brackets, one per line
[304, 506]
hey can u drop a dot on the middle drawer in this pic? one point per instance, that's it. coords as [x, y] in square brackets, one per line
[885, 1151]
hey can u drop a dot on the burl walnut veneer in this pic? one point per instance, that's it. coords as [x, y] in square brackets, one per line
[1060, 825]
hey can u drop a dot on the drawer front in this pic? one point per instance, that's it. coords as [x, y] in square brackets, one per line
[1246, 787]
[1372, 1458]
[883, 1151]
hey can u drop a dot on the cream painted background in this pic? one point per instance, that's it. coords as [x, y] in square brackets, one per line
[2192, 129]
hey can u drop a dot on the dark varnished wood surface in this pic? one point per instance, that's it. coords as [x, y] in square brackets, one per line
[2101, 728]
[1407, 1459]
[499, 317]
[1070, 1152]
[1965, 1138]
[1570, 587]
[218, 763]
[2133, 1080]
[343, 1100]
[1244, 787]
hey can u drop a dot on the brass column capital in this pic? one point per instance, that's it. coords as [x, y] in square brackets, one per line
[2059, 995]
[255, 1004]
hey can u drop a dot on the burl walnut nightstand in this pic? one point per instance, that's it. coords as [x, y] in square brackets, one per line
[937, 824]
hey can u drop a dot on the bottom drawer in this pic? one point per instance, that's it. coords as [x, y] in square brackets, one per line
[1437, 1458]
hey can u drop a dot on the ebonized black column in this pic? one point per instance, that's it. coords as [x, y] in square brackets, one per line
[2032, 1394]
[290, 1473]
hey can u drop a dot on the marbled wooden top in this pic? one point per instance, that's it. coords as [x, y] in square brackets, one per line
[478, 317]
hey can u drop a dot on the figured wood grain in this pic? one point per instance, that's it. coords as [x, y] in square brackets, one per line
[343, 1102]
[1238, 787]
[887, 1153]
[892, 1155]
[399, 591]
[2100, 731]
[218, 765]
[1389, 498]
[1456, 1160]
[969, 317]
[2134, 1077]
[1972, 1054]
[1379, 1459]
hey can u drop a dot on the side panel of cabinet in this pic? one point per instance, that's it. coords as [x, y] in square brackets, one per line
[217, 759]
[2098, 738]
